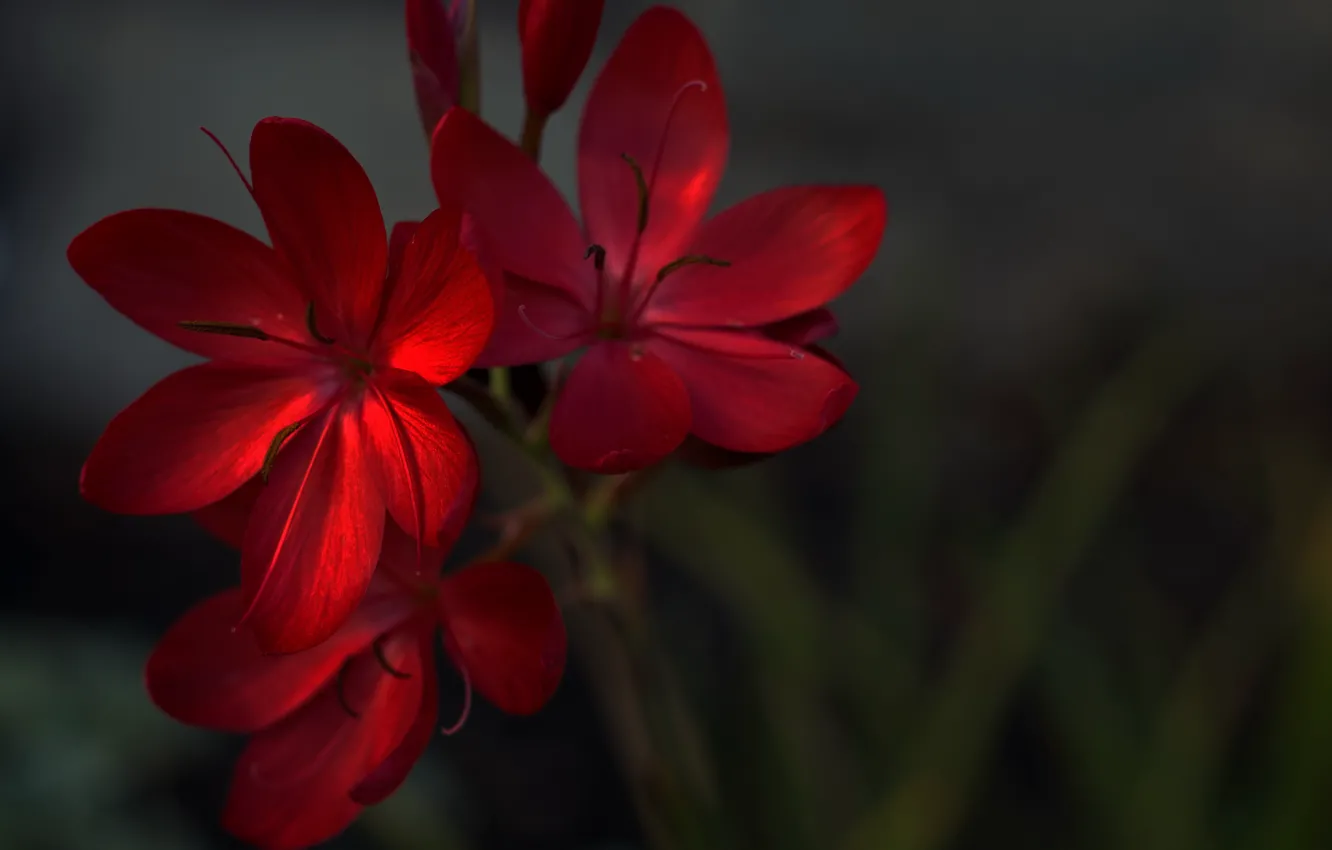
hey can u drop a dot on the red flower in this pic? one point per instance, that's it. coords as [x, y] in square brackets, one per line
[338, 727]
[672, 309]
[324, 360]
[557, 38]
[441, 45]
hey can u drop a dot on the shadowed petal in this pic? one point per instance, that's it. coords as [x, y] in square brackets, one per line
[207, 672]
[789, 250]
[313, 539]
[750, 393]
[162, 267]
[648, 103]
[324, 218]
[535, 323]
[522, 223]
[196, 436]
[504, 630]
[292, 785]
[619, 410]
[226, 519]
[386, 778]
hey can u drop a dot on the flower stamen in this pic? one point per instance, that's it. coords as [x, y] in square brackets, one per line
[279, 440]
[339, 689]
[314, 328]
[467, 704]
[384, 662]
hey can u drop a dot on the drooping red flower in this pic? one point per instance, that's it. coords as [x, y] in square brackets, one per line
[673, 310]
[441, 45]
[324, 360]
[557, 38]
[338, 727]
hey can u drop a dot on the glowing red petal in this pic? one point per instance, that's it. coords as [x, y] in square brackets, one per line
[438, 312]
[313, 539]
[195, 437]
[423, 460]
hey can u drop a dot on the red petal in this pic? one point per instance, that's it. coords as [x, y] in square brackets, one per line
[522, 222]
[557, 38]
[399, 236]
[753, 394]
[805, 329]
[535, 323]
[195, 437]
[432, 46]
[790, 250]
[291, 787]
[386, 778]
[312, 542]
[425, 462]
[438, 312]
[323, 216]
[161, 267]
[504, 629]
[646, 103]
[207, 672]
[620, 410]
[226, 519]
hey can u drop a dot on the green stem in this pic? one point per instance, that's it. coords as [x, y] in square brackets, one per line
[923, 811]
[534, 126]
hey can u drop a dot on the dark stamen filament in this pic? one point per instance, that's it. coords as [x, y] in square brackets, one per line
[342, 695]
[642, 192]
[314, 328]
[383, 662]
[226, 329]
[276, 446]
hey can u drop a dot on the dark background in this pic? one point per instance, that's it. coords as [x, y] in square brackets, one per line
[1062, 577]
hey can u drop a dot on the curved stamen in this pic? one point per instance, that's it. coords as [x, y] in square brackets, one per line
[641, 182]
[230, 159]
[599, 253]
[666, 271]
[339, 689]
[646, 186]
[314, 328]
[247, 332]
[467, 705]
[274, 447]
[522, 314]
[384, 662]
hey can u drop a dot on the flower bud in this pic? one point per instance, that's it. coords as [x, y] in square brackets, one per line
[557, 38]
[441, 43]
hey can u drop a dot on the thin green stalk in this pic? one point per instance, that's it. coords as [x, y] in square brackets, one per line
[1085, 480]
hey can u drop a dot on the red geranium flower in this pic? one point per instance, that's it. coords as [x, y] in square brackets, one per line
[671, 309]
[324, 360]
[557, 38]
[338, 727]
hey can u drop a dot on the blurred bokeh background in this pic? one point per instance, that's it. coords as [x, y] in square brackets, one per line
[1062, 577]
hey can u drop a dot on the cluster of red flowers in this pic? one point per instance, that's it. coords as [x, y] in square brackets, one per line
[315, 439]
